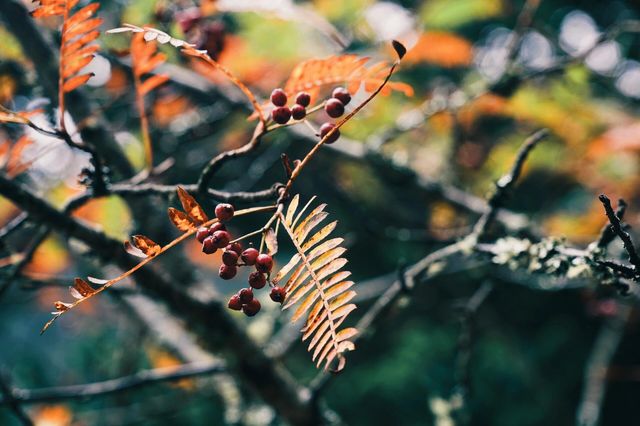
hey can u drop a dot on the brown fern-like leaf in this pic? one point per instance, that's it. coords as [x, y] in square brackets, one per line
[317, 284]
[144, 60]
[79, 29]
[313, 74]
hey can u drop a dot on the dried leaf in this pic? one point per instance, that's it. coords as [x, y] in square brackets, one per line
[180, 220]
[62, 306]
[271, 241]
[134, 251]
[317, 285]
[83, 287]
[191, 207]
[146, 245]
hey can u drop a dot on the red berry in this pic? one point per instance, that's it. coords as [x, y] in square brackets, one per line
[334, 108]
[341, 94]
[220, 239]
[224, 212]
[303, 98]
[235, 303]
[229, 257]
[208, 246]
[202, 234]
[218, 226]
[249, 256]
[264, 263]
[237, 247]
[326, 128]
[281, 114]
[251, 308]
[277, 294]
[246, 295]
[298, 112]
[278, 97]
[257, 280]
[226, 272]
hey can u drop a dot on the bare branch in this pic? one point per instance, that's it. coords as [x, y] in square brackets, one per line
[506, 182]
[108, 387]
[607, 233]
[595, 375]
[617, 227]
[14, 404]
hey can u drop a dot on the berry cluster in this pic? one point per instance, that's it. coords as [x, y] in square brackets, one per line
[334, 107]
[217, 237]
[281, 114]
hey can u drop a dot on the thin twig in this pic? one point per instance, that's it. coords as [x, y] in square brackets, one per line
[506, 182]
[606, 233]
[595, 375]
[617, 227]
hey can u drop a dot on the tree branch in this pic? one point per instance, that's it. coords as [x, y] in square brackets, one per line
[617, 227]
[108, 387]
[200, 308]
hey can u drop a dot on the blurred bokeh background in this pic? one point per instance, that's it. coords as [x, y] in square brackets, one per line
[485, 74]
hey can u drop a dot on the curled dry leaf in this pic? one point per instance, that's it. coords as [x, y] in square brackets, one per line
[146, 245]
[180, 220]
[271, 241]
[317, 285]
[191, 207]
[81, 288]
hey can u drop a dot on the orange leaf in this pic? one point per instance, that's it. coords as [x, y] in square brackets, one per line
[82, 288]
[152, 83]
[80, 16]
[73, 64]
[191, 207]
[83, 28]
[180, 220]
[146, 245]
[75, 82]
[441, 48]
[311, 75]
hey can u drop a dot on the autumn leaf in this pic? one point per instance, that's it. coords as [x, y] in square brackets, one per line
[144, 245]
[313, 74]
[441, 48]
[191, 207]
[180, 220]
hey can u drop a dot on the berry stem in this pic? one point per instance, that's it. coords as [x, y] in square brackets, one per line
[164, 249]
[312, 127]
[262, 230]
[314, 150]
[294, 122]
